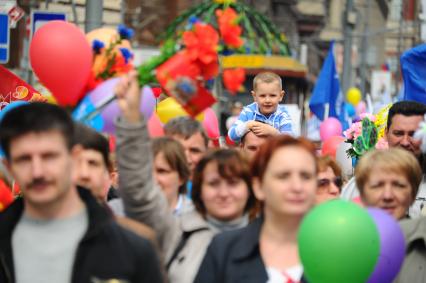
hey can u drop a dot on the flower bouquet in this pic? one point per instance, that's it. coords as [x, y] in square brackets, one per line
[367, 134]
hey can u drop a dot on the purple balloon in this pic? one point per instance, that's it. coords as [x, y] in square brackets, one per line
[110, 113]
[101, 93]
[392, 247]
[148, 102]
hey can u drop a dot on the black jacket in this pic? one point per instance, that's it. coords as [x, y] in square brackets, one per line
[106, 251]
[234, 257]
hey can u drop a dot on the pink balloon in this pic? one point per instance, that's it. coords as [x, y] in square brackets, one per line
[61, 57]
[358, 201]
[155, 128]
[211, 124]
[361, 108]
[330, 127]
[329, 147]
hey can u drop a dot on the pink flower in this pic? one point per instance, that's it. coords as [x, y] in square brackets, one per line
[382, 143]
[348, 134]
[354, 131]
[371, 117]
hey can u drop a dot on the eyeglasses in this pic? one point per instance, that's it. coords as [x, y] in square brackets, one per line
[325, 183]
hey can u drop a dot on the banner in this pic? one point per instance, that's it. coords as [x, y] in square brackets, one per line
[12, 88]
[413, 66]
[327, 91]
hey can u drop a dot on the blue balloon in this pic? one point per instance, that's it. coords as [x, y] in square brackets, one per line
[350, 109]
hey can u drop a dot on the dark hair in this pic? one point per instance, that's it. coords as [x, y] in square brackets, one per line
[266, 151]
[174, 154]
[185, 127]
[243, 138]
[90, 139]
[35, 118]
[230, 164]
[406, 108]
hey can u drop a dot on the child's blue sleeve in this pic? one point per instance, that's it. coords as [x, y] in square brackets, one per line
[286, 129]
[286, 125]
[239, 128]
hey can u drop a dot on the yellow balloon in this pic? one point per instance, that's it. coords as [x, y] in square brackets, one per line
[354, 96]
[169, 108]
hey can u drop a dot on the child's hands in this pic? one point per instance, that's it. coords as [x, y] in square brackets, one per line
[262, 129]
[250, 124]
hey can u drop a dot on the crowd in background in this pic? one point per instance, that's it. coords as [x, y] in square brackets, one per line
[174, 209]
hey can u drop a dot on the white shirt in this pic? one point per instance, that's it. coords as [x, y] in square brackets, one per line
[276, 276]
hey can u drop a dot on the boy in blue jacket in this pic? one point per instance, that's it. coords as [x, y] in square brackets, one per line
[265, 116]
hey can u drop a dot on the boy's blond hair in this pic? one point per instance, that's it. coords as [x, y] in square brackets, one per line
[266, 77]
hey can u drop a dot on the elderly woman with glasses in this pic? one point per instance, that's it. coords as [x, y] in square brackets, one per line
[329, 180]
[389, 179]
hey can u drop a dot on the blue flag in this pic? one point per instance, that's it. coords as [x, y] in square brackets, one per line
[327, 90]
[413, 66]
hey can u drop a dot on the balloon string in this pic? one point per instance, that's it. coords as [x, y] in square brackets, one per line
[101, 106]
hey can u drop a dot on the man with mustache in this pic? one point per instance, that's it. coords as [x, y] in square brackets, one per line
[58, 232]
[403, 120]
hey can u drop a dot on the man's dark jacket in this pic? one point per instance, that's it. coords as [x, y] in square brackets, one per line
[107, 251]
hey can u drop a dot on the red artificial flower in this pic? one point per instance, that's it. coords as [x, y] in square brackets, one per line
[210, 71]
[202, 43]
[233, 79]
[92, 82]
[6, 196]
[157, 91]
[120, 66]
[229, 29]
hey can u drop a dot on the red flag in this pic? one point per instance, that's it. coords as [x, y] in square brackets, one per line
[12, 88]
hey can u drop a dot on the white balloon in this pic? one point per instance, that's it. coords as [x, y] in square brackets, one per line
[343, 160]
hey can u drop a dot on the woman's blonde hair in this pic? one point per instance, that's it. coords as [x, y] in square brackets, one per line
[395, 160]
[326, 161]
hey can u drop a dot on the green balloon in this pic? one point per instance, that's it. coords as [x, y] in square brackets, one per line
[338, 242]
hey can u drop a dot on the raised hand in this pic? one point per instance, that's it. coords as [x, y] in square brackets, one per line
[128, 97]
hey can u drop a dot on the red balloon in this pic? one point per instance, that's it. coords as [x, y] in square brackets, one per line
[155, 128]
[61, 57]
[329, 147]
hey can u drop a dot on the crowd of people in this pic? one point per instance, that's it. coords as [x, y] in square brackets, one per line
[173, 209]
